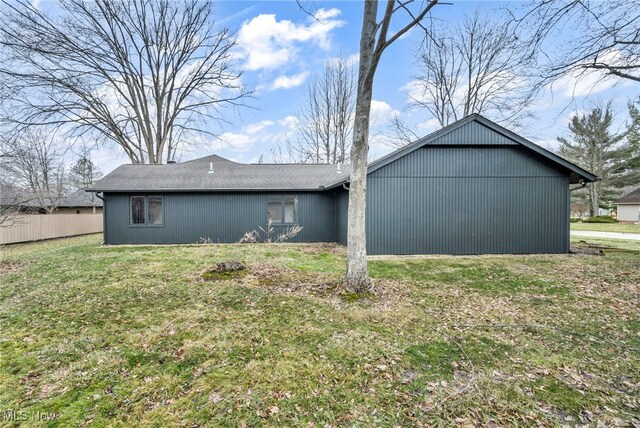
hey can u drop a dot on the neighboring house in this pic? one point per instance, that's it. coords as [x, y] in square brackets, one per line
[79, 202]
[470, 188]
[629, 207]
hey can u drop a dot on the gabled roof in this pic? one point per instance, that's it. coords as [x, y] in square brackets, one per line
[231, 176]
[227, 176]
[477, 130]
[630, 198]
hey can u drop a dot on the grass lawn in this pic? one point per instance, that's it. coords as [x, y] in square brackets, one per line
[624, 244]
[122, 336]
[607, 227]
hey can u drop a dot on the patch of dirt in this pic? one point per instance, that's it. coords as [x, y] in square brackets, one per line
[225, 270]
[320, 284]
[291, 280]
[585, 249]
[8, 266]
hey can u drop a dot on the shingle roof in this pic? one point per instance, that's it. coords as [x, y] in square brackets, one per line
[630, 198]
[227, 175]
[77, 199]
[193, 175]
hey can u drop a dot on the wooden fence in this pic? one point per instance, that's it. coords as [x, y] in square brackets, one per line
[46, 226]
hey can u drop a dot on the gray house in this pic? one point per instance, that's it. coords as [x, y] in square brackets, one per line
[471, 188]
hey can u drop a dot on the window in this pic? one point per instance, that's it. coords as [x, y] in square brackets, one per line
[155, 209]
[146, 210]
[282, 209]
[275, 211]
[137, 210]
[290, 214]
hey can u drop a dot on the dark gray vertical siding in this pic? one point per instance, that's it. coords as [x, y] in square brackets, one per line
[439, 199]
[342, 207]
[461, 162]
[473, 133]
[220, 217]
[466, 200]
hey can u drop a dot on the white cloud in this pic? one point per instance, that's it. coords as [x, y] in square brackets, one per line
[266, 43]
[350, 60]
[288, 82]
[289, 122]
[243, 141]
[257, 127]
[236, 142]
[326, 14]
[381, 112]
[580, 83]
[428, 126]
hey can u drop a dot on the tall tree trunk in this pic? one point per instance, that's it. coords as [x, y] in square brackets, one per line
[595, 199]
[357, 273]
[373, 41]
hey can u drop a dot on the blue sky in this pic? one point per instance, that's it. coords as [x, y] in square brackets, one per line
[281, 49]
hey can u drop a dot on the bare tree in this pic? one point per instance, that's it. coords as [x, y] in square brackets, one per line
[325, 121]
[33, 166]
[606, 37]
[12, 201]
[374, 39]
[142, 74]
[479, 66]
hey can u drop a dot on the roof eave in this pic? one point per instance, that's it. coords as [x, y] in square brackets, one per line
[186, 190]
[583, 173]
[385, 160]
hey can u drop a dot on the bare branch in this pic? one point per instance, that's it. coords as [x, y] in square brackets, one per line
[607, 37]
[325, 121]
[32, 167]
[481, 66]
[129, 72]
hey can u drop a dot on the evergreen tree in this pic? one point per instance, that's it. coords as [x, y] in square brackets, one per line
[596, 148]
[84, 172]
[633, 137]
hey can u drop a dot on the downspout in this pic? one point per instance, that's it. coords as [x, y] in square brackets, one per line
[582, 185]
[104, 217]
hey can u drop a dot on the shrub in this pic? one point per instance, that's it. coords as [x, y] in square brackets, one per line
[574, 220]
[267, 234]
[600, 219]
